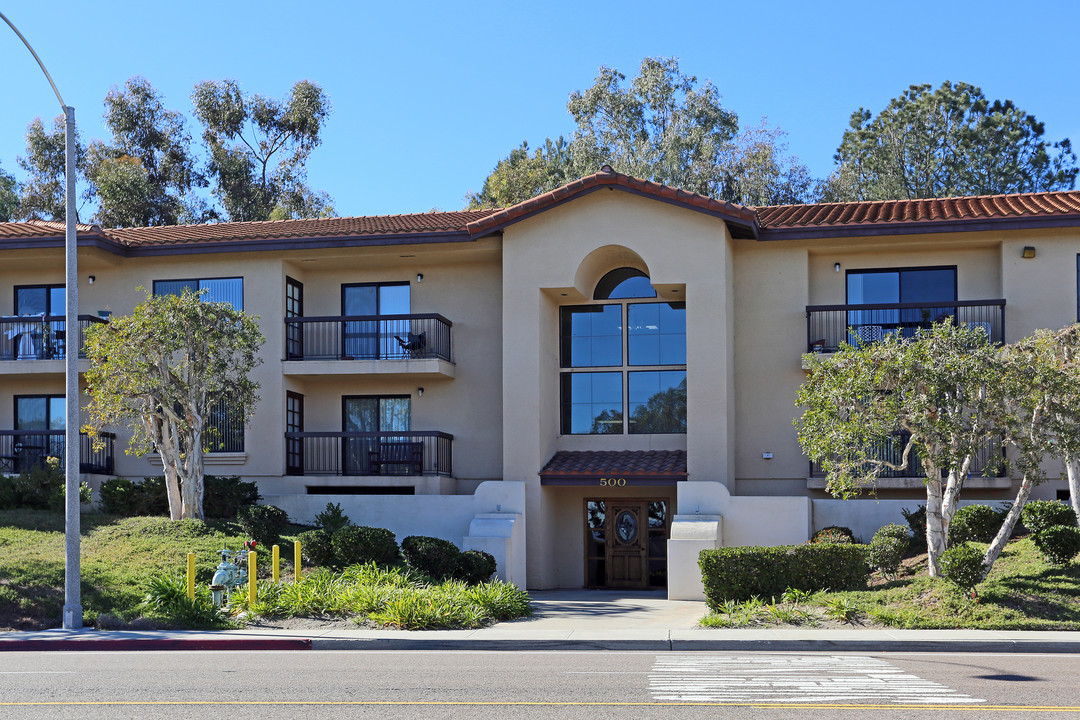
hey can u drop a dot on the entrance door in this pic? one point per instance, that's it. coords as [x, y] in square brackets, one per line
[627, 547]
[626, 542]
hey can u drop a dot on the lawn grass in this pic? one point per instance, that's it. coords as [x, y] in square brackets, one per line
[119, 556]
[123, 557]
[1023, 592]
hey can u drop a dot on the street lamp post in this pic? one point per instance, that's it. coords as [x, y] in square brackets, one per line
[72, 619]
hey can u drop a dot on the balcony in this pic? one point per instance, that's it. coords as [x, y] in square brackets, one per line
[414, 345]
[22, 450]
[369, 453]
[987, 469]
[40, 337]
[829, 325]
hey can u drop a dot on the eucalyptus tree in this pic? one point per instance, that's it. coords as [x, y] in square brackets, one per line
[44, 163]
[259, 147]
[947, 142]
[160, 370]
[9, 197]
[144, 175]
[664, 126]
[877, 407]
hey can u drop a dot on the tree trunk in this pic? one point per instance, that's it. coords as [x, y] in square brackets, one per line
[1072, 470]
[169, 455]
[192, 486]
[935, 529]
[1007, 526]
[172, 488]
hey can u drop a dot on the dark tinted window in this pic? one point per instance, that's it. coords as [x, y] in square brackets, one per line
[657, 401]
[623, 283]
[592, 403]
[657, 333]
[591, 336]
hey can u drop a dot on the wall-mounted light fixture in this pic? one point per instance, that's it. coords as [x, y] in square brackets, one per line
[91, 279]
[1029, 252]
[836, 267]
[419, 277]
[419, 392]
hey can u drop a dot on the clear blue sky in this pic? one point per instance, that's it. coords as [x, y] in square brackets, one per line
[429, 96]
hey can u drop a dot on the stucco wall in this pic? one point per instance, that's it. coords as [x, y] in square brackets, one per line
[554, 259]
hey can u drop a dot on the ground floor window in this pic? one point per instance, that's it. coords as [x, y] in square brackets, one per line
[626, 542]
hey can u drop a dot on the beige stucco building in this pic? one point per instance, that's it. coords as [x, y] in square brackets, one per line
[592, 385]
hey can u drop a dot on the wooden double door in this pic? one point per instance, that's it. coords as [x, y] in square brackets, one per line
[626, 542]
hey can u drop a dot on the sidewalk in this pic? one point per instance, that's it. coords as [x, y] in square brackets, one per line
[566, 620]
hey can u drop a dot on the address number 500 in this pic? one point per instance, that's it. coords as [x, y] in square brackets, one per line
[612, 482]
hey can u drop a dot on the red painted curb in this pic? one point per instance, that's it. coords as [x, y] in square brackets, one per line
[125, 644]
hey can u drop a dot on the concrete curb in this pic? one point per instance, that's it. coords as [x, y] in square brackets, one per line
[137, 644]
[533, 644]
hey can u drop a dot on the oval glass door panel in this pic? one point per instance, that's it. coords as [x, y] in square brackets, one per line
[626, 526]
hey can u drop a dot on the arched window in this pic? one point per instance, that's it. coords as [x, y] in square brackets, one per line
[624, 282]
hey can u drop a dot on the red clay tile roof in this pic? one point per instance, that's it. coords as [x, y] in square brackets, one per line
[742, 219]
[620, 463]
[42, 228]
[419, 223]
[775, 222]
[1064, 204]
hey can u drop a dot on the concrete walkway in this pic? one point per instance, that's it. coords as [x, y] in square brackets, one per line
[565, 620]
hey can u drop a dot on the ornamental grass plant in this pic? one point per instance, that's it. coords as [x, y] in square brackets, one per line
[389, 597]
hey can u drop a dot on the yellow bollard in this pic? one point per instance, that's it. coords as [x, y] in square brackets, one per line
[276, 567]
[296, 561]
[191, 576]
[251, 577]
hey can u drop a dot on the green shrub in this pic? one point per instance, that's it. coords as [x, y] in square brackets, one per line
[499, 600]
[167, 599]
[1038, 515]
[833, 534]
[358, 544]
[223, 496]
[887, 548]
[475, 567]
[120, 496]
[332, 518]
[916, 520]
[962, 565]
[435, 557]
[1059, 544]
[317, 548]
[42, 487]
[740, 573]
[978, 523]
[263, 523]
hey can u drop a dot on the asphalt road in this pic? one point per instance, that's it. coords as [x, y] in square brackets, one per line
[450, 684]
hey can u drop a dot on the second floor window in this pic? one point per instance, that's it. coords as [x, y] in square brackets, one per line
[230, 290]
[224, 430]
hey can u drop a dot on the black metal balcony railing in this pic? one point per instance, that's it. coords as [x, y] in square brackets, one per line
[21, 450]
[368, 337]
[39, 337]
[829, 325]
[369, 453]
[989, 460]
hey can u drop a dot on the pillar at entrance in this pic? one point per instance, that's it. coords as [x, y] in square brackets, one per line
[690, 534]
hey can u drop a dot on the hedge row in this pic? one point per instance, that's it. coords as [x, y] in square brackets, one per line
[222, 496]
[739, 573]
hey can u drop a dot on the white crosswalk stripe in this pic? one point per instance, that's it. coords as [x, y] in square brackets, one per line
[792, 678]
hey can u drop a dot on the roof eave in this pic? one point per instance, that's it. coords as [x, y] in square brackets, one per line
[917, 228]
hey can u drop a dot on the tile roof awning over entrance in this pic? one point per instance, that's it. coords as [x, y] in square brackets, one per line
[615, 468]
